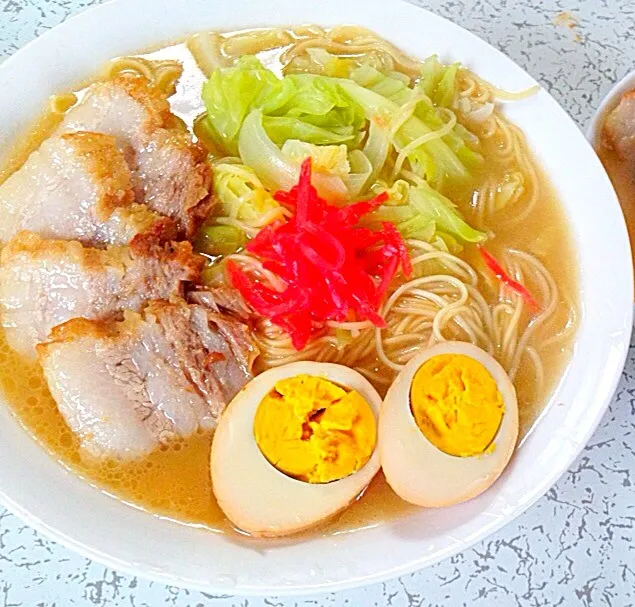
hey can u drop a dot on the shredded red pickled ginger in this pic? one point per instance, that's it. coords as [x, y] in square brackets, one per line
[495, 267]
[333, 269]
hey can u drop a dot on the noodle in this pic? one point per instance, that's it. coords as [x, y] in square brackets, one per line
[419, 313]
[507, 144]
[60, 104]
[413, 145]
[163, 74]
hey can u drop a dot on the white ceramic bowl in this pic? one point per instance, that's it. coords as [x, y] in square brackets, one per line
[63, 507]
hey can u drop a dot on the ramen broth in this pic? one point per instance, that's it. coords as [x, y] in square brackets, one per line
[174, 481]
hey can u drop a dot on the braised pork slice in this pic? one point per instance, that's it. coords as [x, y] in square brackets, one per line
[77, 187]
[127, 225]
[126, 387]
[619, 129]
[222, 299]
[169, 170]
[45, 282]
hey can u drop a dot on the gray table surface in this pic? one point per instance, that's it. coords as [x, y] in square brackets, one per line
[576, 546]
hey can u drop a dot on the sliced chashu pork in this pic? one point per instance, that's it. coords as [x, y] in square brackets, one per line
[619, 128]
[169, 170]
[46, 282]
[126, 387]
[77, 187]
[222, 299]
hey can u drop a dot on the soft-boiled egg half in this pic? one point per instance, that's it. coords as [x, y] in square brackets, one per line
[448, 425]
[294, 447]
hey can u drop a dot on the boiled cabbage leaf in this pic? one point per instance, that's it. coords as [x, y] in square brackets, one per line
[299, 106]
[418, 211]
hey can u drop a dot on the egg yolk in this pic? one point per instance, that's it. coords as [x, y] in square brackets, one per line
[456, 404]
[313, 430]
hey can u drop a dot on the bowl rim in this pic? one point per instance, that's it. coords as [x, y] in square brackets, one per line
[573, 444]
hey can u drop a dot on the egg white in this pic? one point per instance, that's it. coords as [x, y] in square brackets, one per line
[255, 496]
[417, 470]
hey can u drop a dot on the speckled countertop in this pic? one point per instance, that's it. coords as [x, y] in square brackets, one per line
[576, 546]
